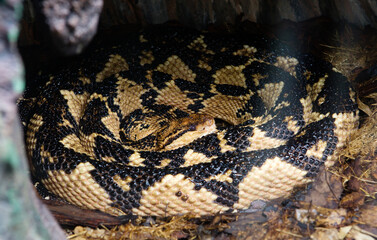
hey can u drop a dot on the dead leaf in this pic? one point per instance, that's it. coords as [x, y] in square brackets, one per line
[368, 215]
[352, 200]
[323, 233]
[363, 107]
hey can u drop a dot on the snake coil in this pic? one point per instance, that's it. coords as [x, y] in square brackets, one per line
[180, 122]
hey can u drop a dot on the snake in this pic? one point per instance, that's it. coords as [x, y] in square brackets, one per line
[173, 121]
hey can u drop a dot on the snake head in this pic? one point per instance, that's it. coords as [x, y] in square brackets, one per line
[185, 130]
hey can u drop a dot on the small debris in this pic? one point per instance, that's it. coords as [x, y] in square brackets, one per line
[349, 232]
[322, 217]
[353, 200]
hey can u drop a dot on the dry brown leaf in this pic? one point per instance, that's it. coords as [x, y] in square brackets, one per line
[353, 200]
[363, 107]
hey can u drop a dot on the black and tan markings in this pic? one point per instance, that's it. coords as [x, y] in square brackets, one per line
[175, 122]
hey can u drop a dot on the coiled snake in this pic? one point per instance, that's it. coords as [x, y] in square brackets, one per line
[181, 122]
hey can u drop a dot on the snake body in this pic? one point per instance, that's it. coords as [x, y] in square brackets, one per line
[183, 122]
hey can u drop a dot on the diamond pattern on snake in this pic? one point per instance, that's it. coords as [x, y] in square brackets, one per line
[174, 122]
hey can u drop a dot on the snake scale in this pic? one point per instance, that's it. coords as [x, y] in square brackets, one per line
[182, 122]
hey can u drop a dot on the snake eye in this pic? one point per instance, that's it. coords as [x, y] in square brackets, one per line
[192, 127]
